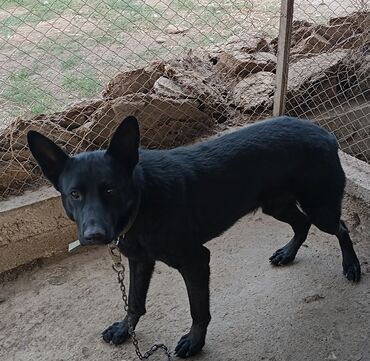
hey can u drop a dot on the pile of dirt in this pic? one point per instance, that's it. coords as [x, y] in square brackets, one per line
[181, 100]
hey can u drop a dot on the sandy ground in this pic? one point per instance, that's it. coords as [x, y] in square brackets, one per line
[307, 311]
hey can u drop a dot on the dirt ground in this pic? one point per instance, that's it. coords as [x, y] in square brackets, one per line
[305, 312]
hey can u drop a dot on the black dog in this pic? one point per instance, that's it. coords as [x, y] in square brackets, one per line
[177, 200]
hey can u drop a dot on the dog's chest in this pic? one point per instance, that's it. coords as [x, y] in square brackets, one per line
[144, 249]
[131, 248]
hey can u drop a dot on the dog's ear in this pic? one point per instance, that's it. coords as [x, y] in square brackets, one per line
[124, 145]
[48, 155]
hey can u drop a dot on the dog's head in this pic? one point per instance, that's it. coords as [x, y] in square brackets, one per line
[97, 188]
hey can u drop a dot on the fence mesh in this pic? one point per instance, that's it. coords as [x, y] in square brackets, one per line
[330, 61]
[187, 69]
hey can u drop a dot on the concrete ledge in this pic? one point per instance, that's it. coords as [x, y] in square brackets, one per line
[358, 177]
[356, 206]
[34, 226]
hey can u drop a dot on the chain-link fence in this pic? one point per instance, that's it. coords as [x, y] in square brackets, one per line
[330, 62]
[187, 69]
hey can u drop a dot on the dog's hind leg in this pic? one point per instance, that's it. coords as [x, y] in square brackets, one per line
[351, 264]
[288, 212]
[140, 275]
[196, 276]
[324, 210]
[327, 219]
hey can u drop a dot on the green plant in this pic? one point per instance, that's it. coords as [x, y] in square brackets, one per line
[85, 85]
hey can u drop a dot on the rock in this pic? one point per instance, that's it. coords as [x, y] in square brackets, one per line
[299, 24]
[357, 65]
[354, 41]
[198, 80]
[241, 64]
[359, 20]
[353, 138]
[164, 122]
[313, 80]
[255, 92]
[161, 39]
[133, 81]
[21, 155]
[335, 33]
[342, 32]
[312, 44]
[248, 43]
[167, 123]
[75, 116]
[69, 140]
[107, 117]
[362, 79]
[300, 30]
[14, 174]
[313, 39]
[17, 167]
[304, 69]
[71, 118]
[325, 79]
[171, 29]
[168, 88]
[84, 129]
[354, 74]
[301, 34]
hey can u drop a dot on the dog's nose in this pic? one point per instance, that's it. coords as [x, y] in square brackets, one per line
[94, 237]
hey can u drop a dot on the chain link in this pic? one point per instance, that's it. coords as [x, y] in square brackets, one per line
[119, 268]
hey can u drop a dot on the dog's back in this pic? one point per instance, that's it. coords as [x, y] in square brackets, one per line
[214, 183]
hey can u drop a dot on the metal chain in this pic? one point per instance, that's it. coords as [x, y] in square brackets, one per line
[119, 268]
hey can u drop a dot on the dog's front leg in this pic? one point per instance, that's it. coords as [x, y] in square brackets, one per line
[140, 275]
[196, 276]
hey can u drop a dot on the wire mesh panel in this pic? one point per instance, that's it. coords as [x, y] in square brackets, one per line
[329, 76]
[73, 69]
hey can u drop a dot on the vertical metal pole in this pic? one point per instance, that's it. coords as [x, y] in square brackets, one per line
[282, 68]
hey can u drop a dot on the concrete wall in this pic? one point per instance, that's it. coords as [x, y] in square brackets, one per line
[34, 226]
[356, 207]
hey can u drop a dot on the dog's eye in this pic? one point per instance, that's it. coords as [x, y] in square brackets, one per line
[109, 190]
[76, 195]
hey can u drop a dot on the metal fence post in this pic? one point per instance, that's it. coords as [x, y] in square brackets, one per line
[285, 32]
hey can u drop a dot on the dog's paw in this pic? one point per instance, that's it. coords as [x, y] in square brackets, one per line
[352, 270]
[117, 333]
[189, 345]
[282, 256]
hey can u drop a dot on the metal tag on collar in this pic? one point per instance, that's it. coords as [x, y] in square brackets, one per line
[119, 239]
[73, 245]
